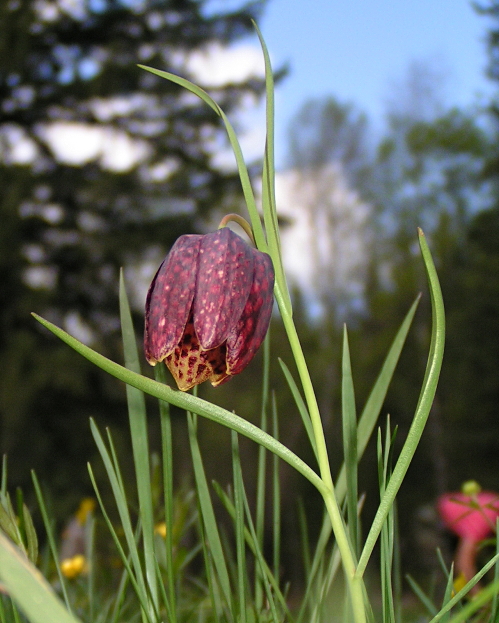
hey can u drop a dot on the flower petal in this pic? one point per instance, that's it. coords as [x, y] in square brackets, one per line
[190, 365]
[223, 285]
[169, 299]
[245, 339]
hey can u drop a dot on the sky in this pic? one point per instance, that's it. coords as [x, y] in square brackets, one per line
[357, 50]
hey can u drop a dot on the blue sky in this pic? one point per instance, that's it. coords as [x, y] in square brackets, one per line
[355, 49]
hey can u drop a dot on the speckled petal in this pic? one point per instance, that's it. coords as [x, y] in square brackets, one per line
[190, 365]
[246, 338]
[223, 285]
[169, 299]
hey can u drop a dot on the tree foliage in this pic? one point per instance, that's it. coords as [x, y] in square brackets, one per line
[102, 165]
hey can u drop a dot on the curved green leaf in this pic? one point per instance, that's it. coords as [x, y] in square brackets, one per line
[189, 403]
[423, 407]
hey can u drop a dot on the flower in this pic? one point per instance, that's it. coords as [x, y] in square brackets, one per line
[73, 567]
[160, 529]
[75, 533]
[208, 308]
[471, 514]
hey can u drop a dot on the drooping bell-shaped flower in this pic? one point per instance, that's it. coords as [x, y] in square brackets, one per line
[208, 308]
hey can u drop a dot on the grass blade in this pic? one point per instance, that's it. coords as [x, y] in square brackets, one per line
[167, 453]
[276, 515]
[208, 517]
[28, 587]
[300, 403]
[253, 546]
[139, 590]
[126, 522]
[189, 403]
[239, 527]
[372, 409]
[262, 465]
[249, 196]
[268, 188]
[422, 596]
[422, 409]
[51, 539]
[140, 445]
[349, 427]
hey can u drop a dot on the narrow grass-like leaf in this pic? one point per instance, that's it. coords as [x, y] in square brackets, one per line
[163, 595]
[239, 528]
[126, 522]
[449, 592]
[213, 585]
[387, 531]
[465, 590]
[126, 560]
[188, 402]
[208, 515]
[268, 188]
[262, 466]
[349, 427]
[300, 403]
[29, 588]
[3, 480]
[443, 565]
[3, 613]
[276, 498]
[90, 556]
[371, 411]
[167, 453]
[494, 611]
[422, 409]
[249, 197]
[51, 539]
[140, 445]
[31, 536]
[304, 538]
[422, 596]
[318, 559]
[261, 562]
[8, 521]
[477, 603]
[367, 422]
[250, 542]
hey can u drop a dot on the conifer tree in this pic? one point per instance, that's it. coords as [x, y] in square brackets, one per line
[71, 215]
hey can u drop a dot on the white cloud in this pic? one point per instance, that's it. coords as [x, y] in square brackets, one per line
[324, 239]
[16, 147]
[78, 143]
[216, 65]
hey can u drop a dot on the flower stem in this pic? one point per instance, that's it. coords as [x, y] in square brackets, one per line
[354, 582]
[242, 222]
[465, 560]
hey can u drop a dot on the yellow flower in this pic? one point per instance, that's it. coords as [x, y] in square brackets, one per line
[459, 583]
[160, 529]
[75, 566]
[87, 506]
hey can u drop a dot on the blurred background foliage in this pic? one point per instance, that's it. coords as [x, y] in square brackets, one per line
[67, 227]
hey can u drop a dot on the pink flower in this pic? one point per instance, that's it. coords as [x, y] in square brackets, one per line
[471, 514]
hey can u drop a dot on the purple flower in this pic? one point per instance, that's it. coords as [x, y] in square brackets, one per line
[208, 308]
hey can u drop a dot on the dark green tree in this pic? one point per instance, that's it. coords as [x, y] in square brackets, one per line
[474, 302]
[70, 220]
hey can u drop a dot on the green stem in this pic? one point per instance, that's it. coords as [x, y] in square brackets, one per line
[355, 583]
